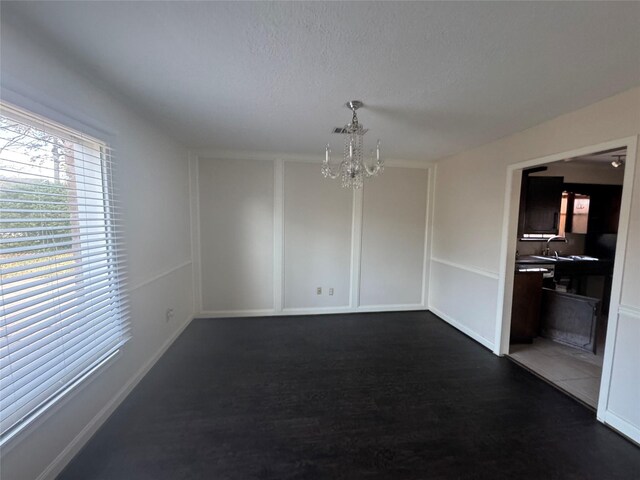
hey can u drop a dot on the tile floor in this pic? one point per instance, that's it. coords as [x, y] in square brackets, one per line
[575, 371]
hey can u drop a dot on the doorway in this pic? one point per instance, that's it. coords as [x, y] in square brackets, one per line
[575, 254]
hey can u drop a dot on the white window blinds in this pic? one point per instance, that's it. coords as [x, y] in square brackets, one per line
[62, 277]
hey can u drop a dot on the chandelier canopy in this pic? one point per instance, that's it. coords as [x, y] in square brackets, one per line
[353, 169]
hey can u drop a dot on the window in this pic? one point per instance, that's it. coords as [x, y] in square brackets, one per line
[63, 305]
[574, 213]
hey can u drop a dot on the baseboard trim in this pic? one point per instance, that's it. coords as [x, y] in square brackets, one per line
[391, 308]
[236, 313]
[309, 311]
[464, 329]
[61, 461]
[315, 310]
[627, 429]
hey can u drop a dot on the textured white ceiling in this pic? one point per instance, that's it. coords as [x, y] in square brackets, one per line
[436, 77]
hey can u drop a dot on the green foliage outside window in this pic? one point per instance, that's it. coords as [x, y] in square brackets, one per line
[31, 199]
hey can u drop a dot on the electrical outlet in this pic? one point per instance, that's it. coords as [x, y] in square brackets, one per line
[331, 291]
[319, 291]
[169, 314]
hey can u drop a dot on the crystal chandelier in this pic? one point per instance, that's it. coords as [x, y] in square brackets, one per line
[352, 169]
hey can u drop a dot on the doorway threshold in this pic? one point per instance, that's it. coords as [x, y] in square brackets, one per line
[574, 372]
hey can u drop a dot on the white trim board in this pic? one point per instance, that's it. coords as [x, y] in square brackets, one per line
[432, 206]
[71, 450]
[464, 329]
[315, 310]
[408, 307]
[629, 311]
[212, 154]
[278, 235]
[428, 224]
[356, 247]
[194, 218]
[310, 311]
[149, 281]
[628, 430]
[236, 313]
[468, 268]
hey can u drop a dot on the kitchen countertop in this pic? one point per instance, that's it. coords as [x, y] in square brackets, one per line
[530, 259]
[567, 266]
[533, 259]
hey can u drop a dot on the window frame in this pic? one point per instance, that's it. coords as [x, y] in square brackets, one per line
[108, 193]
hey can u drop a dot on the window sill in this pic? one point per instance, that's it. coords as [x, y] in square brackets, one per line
[32, 423]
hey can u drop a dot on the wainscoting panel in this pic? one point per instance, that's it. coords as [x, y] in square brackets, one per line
[465, 298]
[271, 231]
[623, 408]
[393, 237]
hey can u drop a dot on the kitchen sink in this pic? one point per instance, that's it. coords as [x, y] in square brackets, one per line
[553, 259]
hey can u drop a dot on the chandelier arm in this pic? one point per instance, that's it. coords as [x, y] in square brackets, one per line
[327, 171]
[373, 170]
[377, 167]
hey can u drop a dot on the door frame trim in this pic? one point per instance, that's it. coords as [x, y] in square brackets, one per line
[509, 245]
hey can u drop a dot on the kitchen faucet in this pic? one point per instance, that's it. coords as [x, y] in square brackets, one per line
[555, 237]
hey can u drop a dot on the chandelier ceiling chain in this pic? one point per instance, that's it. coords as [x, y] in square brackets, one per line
[353, 169]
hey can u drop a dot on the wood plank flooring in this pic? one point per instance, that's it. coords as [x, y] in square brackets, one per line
[381, 395]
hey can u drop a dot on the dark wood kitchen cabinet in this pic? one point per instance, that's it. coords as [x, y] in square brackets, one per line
[540, 205]
[604, 211]
[525, 308]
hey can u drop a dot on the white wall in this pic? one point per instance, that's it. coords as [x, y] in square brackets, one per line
[153, 180]
[317, 238]
[236, 224]
[393, 237]
[368, 245]
[472, 186]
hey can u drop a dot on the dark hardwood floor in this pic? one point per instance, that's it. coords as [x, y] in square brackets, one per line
[382, 395]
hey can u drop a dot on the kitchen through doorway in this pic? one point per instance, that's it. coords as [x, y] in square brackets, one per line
[568, 219]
